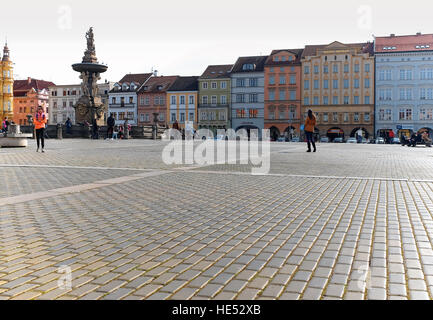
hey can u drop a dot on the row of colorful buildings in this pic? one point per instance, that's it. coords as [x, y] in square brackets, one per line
[376, 87]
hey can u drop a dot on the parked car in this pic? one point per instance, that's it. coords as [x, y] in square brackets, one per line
[380, 140]
[338, 140]
[281, 139]
[295, 139]
[351, 140]
[324, 139]
[395, 141]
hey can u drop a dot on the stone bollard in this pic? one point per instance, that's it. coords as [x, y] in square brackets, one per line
[154, 132]
[59, 131]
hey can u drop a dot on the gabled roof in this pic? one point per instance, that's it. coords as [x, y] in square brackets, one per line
[162, 82]
[363, 47]
[28, 84]
[257, 61]
[296, 52]
[217, 71]
[184, 84]
[139, 78]
[418, 42]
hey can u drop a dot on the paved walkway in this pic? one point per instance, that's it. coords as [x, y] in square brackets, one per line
[350, 222]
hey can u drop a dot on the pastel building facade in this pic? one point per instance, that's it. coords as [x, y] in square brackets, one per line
[28, 95]
[338, 86]
[62, 99]
[404, 84]
[123, 98]
[214, 92]
[6, 86]
[182, 102]
[248, 93]
[152, 99]
[282, 112]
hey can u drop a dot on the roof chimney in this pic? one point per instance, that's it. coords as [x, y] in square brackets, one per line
[418, 33]
[155, 73]
[392, 35]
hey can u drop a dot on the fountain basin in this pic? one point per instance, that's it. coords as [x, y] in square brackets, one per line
[89, 67]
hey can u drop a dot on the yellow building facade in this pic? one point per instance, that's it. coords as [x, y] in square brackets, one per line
[6, 86]
[338, 86]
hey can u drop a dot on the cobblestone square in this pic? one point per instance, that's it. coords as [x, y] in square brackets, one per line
[109, 220]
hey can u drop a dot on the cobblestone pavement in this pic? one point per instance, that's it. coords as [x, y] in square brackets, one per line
[349, 222]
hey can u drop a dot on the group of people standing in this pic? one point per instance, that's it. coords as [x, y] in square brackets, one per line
[416, 138]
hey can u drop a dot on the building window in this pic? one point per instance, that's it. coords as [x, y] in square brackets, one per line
[306, 70]
[346, 99]
[335, 84]
[141, 117]
[113, 100]
[272, 80]
[335, 116]
[367, 100]
[356, 117]
[335, 100]
[292, 94]
[316, 84]
[326, 84]
[214, 85]
[292, 79]
[204, 85]
[147, 101]
[173, 117]
[346, 68]
[282, 80]
[191, 100]
[240, 98]
[271, 95]
[346, 83]
[271, 115]
[173, 100]
[335, 68]
[356, 99]
[356, 67]
[240, 83]
[223, 84]
[223, 100]
[240, 113]
[316, 100]
[356, 84]
[182, 117]
[367, 67]
[325, 100]
[254, 82]
[388, 74]
[346, 117]
[203, 115]
[282, 95]
[282, 114]
[141, 101]
[325, 117]
[204, 100]
[254, 97]
[405, 114]
[366, 117]
[316, 69]
[213, 100]
[306, 101]
[367, 83]
[191, 116]
[307, 84]
[182, 100]
[325, 69]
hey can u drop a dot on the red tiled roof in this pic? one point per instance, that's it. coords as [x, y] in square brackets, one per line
[151, 85]
[257, 61]
[418, 42]
[217, 71]
[26, 85]
[296, 52]
[184, 84]
[138, 78]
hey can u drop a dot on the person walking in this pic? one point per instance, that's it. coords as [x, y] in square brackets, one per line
[40, 122]
[310, 124]
[5, 124]
[95, 130]
[68, 125]
[176, 125]
[110, 124]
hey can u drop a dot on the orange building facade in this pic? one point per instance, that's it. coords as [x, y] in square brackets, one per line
[283, 93]
[28, 95]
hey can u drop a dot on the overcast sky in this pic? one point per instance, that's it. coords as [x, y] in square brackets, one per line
[184, 37]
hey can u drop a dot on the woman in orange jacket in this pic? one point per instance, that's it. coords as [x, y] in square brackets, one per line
[310, 124]
[40, 122]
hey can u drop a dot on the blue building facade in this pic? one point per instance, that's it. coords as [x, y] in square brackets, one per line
[404, 85]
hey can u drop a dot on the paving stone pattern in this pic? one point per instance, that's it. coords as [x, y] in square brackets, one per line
[345, 223]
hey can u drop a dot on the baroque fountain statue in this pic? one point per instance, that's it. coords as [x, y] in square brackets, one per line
[90, 107]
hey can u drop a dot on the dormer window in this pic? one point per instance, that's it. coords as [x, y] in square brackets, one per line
[290, 58]
[159, 87]
[276, 58]
[125, 87]
[145, 87]
[117, 87]
[248, 67]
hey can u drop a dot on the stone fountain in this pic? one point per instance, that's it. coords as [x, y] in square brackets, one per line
[14, 138]
[90, 106]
